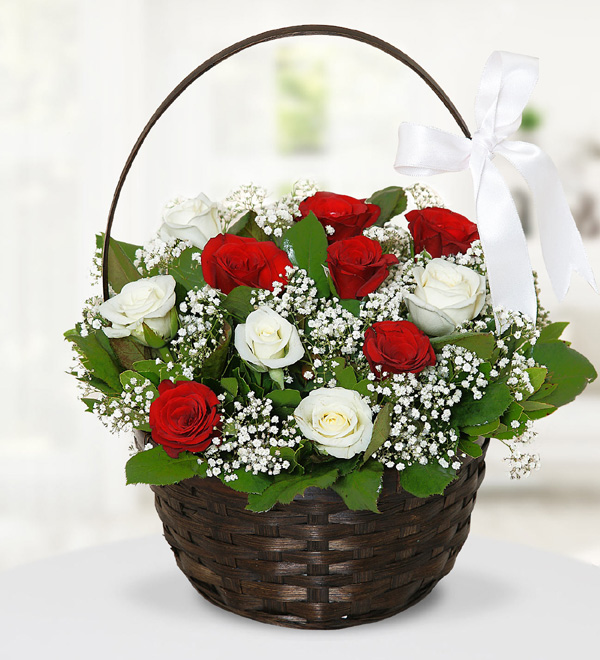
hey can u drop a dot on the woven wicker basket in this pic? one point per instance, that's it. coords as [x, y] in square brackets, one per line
[312, 563]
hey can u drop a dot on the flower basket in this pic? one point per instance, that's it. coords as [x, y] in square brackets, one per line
[312, 387]
[314, 563]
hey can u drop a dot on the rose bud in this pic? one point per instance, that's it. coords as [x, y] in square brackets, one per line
[184, 417]
[358, 266]
[345, 215]
[396, 347]
[229, 261]
[441, 232]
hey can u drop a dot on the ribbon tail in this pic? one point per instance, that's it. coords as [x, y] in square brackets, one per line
[509, 270]
[562, 246]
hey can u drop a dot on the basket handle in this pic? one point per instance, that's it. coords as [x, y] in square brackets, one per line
[270, 35]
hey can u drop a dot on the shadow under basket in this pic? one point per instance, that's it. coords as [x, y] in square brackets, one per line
[313, 563]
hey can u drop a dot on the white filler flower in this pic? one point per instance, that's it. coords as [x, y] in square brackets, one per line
[446, 296]
[338, 420]
[150, 301]
[194, 220]
[267, 340]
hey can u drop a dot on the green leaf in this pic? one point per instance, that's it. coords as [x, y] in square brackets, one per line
[237, 303]
[248, 482]
[90, 403]
[154, 466]
[567, 369]
[277, 376]
[362, 387]
[360, 489]
[381, 431]
[129, 351]
[241, 223]
[149, 369]
[149, 366]
[344, 376]
[99, 385]
[306, 245]
[426, 480]
[96, 359]
[250, 229]
[243, 386]
[353, 306]
[214, 364]
[552, 332]
[285, 398]
[345, 465]
[473, 412]
[286, 486]
[470, 448]
[121, 255]
[391, 201]
[537, 376]
[537, 409]
[151, 338]
[230, 385]
[138, 379]
[480, 343]
[482, 429]
[545, 390]
[512, 414]
[187, 271]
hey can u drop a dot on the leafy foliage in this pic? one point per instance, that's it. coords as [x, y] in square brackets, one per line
[237, 302]
[480, 343]
[98, 357]
[214, 364]
[155, 466]
[306, 245]
[426, 480]
[381, 431]
[187, 272]
[493, 403]
[567, 369]
[286, 486]
[247, 482]
[119, 369]
[392, 202]
[360, 489]
[121, 256]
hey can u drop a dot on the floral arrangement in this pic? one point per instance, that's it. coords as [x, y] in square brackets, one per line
[312, 341]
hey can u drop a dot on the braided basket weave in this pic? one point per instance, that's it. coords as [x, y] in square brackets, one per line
[313, 563]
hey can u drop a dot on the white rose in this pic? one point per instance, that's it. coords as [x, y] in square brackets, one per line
[150, 300]
[267, 340]
[446, 296]
[194, 220]
[338, 420]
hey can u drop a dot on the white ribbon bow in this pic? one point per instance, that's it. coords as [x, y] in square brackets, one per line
[506, 85]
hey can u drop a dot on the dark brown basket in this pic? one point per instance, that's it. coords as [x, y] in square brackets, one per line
[313, 563]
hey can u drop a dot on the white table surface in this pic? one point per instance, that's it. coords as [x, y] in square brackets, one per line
[129, 600]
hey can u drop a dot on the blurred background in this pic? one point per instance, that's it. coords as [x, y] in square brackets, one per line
[80, 78]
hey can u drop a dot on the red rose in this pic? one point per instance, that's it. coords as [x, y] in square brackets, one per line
[229, 261]
[441, 232]
[395, 347]
[184, 417]
[348, 216]
[358, 266]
